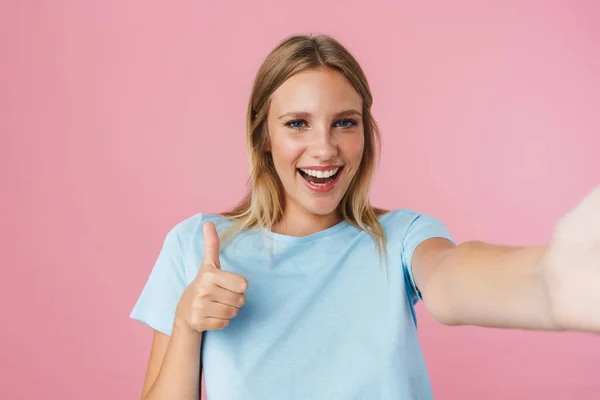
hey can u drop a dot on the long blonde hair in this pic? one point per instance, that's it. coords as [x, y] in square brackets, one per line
[262, 207]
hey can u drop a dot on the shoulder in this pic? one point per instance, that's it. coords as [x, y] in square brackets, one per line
[401, 219]
[190, 228]
[413, 224]
[398, 215]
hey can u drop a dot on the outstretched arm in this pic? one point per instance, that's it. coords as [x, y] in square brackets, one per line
[480, 284]
[552, 287]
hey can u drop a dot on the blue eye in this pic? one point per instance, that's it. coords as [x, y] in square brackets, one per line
[346, 123]
[296, 124]
[343, 123]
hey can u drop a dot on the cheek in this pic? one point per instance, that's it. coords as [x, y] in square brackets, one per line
[285, 151]
[353, 149]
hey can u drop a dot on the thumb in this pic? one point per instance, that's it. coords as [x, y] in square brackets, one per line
[211, 245]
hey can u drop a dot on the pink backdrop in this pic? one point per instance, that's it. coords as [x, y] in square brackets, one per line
[121, 118]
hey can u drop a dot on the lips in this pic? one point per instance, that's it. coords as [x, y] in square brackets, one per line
[320, 179]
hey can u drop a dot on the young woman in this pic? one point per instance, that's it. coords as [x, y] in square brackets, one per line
[306, 291]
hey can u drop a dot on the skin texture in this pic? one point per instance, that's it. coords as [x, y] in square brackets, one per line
[314, 120]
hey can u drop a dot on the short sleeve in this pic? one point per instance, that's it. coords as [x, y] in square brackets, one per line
[158, 300]
[421, 228]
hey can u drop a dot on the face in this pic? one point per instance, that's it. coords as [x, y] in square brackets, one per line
[316, 139]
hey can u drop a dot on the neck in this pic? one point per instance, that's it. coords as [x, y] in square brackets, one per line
[304, 224]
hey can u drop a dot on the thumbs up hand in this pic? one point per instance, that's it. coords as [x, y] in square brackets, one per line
[214, 296]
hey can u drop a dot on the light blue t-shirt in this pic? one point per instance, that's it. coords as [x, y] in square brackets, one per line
[320, 320]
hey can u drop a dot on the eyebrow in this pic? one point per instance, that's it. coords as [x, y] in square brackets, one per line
[304, 114]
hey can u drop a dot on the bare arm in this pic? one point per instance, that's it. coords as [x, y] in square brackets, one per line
[481, 284]
[551, 287]
[173, 367]
[207, 304]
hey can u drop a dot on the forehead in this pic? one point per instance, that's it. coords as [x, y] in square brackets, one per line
[319, 91]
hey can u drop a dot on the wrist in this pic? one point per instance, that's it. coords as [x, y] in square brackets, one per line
[182, 328]
[549, 286]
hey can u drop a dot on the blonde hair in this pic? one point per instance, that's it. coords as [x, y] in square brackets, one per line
[262, 207]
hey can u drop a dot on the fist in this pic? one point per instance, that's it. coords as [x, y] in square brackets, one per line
[214, 296]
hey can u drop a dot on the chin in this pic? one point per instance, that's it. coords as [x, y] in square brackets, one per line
[321, 201]
[321, 207]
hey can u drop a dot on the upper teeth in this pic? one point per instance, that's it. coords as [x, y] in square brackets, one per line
[320, 174]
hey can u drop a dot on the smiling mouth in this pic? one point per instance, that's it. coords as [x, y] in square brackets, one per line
[320, 178]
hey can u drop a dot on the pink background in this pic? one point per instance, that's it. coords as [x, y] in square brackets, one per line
[120, 118]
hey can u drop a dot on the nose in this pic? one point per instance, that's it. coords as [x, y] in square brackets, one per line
[324, 146]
